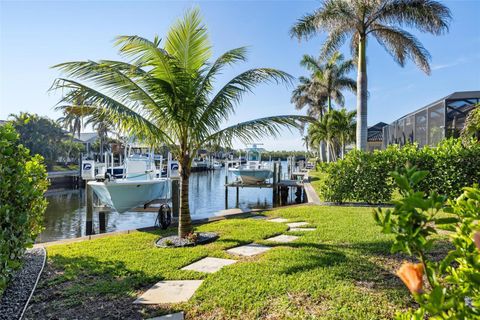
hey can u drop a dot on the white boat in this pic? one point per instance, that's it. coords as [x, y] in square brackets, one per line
[217, 165]
[254, 171]
[139, 185]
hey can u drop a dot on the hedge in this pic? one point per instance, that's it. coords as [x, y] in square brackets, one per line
[23, 181]
[364, 177]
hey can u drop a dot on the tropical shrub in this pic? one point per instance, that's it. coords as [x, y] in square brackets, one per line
[365, 177]
[22, 185]
[471, 131]
[453, 290]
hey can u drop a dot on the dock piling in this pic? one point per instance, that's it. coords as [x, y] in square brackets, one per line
[89, 200]
[102, 221]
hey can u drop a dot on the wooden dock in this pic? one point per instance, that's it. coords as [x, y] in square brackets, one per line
[281, 183]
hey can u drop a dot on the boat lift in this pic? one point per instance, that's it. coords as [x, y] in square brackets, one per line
[160, 206]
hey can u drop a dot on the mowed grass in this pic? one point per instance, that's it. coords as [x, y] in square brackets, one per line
[343, 270]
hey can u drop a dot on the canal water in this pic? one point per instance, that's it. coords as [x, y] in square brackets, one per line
[65, 215]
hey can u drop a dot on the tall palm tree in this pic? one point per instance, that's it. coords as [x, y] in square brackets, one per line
[328, 79]
[165, 95]
[71, 122]
[383, 20]
[343, 123]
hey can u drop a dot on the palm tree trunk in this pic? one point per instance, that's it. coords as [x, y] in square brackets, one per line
[329, 154]
[184, 219]
[362, 96]
[329, 109]
[322, 151]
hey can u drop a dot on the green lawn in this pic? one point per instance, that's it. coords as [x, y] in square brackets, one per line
[341, 271]
[70, 167]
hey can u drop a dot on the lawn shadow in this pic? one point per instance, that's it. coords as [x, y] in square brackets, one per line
[70, 286]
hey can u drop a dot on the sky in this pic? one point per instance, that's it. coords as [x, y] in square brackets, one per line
[36, 35]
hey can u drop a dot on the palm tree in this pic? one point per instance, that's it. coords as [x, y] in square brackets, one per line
[327, 81]
[165, 95]
[343, 123]
[330, 77]
[382, 19]
[322, 130]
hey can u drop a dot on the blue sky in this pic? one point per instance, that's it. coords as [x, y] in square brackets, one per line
[36, 35]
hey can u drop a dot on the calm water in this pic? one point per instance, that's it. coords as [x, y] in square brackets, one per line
[65, 215]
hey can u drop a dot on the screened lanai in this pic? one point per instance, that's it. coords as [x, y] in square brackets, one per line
[430, 124]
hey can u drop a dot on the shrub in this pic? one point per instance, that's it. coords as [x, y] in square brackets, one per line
[453, 290]
[22, 185]
[365, 176]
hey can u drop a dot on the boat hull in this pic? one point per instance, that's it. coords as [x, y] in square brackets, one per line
[252, 176]
[124, 194]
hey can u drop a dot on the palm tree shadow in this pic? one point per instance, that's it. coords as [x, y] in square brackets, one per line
[67, 284]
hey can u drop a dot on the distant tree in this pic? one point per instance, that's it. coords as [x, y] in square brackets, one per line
[328, 78]
[40, 135]
[71, 150]
[383, 20]
[344, 125]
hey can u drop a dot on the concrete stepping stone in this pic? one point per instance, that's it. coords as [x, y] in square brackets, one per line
[172, 316]
[169, 292]
[278, 220]
[209, 265]
[297, 224]
[249, 250]
[283, 238]
[302, 229]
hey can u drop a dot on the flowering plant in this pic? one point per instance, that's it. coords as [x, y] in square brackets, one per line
[453, 283]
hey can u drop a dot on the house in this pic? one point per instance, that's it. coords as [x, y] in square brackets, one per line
[432, 123]
[375, 136]
[87, 139]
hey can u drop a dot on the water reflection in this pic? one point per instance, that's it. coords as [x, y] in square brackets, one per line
[65, 215]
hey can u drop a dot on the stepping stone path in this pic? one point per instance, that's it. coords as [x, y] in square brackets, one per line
[249, 250]
[169, 292]
[283, 238]
[183, 290]
[297, 224]
[209, 265]
[302, 229]
[173, 316]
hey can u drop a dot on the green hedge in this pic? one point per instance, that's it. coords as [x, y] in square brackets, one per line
[364, 177]
[23, 181]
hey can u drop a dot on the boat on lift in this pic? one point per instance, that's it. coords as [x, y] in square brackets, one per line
[139, 185]
[254, 171]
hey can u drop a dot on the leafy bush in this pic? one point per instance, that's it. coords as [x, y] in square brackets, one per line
[22, 185]
[365, 176]
[453, 290]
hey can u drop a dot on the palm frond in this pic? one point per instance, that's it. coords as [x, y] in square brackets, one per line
[103, 106]
[402, 45]
[187, 41]
[147, 53]
[249, 131]
[425, 15]
[224, 102]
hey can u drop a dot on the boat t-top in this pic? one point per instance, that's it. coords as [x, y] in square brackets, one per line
[254, 171]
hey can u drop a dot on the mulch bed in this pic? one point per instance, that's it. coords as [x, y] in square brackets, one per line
[177, 242]
[18, 293]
